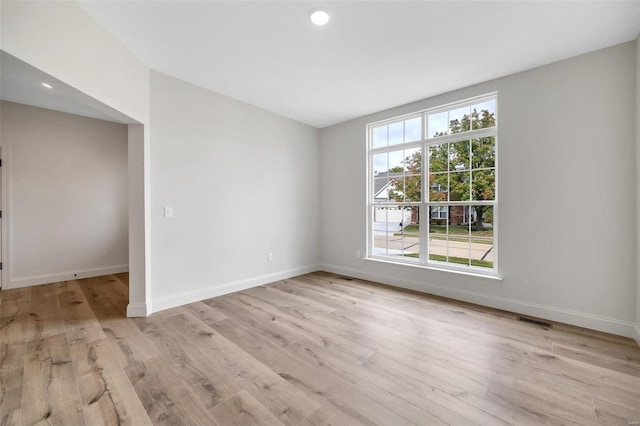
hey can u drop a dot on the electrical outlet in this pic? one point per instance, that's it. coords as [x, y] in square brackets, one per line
[358, 254]
[168, 212]
[269, 257]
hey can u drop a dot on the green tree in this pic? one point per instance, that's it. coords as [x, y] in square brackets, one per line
[471, 163]
[408, 188]
[463, 169]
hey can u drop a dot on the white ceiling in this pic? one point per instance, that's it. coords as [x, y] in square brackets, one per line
[22, 83]
[371, 56]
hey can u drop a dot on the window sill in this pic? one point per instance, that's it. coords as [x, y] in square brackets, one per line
[490, 277]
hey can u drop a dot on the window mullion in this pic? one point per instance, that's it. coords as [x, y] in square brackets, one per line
[397, 147]
[471, 134]
[424, 233]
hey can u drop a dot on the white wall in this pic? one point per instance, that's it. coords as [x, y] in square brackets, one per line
[566, 220]
[242, 182]
[62, 40]
[67, 204]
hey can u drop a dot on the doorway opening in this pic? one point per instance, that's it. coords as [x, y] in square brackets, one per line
[121, 217]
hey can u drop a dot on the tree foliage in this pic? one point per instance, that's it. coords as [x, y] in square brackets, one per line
[463, 170]
[407, 188]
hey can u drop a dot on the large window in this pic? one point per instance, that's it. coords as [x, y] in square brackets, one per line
[432, 187]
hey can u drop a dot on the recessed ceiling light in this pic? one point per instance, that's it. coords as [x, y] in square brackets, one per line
[48, 86]
[319, 16]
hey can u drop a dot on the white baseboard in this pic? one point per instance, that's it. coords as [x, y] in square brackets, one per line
[580, 319]
[637, 333]
[163, 303]
[136, 310]
[64, 276]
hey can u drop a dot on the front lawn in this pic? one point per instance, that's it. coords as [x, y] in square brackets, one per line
[452, 259]
[439, 232]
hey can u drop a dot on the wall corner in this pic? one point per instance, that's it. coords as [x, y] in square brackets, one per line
[637, 325]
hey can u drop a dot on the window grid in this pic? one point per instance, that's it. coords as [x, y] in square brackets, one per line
[463, 235]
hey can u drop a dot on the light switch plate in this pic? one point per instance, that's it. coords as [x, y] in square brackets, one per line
[168, 212]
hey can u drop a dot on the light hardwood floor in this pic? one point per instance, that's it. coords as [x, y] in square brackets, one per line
[316, 349]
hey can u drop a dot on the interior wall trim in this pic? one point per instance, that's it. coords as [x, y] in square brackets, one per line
[64, 276]
[566, 316]
[163, 303]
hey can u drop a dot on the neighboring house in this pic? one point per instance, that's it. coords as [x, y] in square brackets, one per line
[382, 184]
[458, 215]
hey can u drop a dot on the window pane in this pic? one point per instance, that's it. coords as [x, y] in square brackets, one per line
[483, 152]
[482, 250]
[407, 240]
[438, 158]
[405, 188]
[380, 190]
[413, 129]
[460, 120]
[438, 212]
[484, 114]
[483, 184]
[438, 125]
[380, 221]
[413, 161]
[458, 216]
[396, 161]
[463, 236]
[460, 244]
[458, 175]
[396, 231]
[458, 236]
[459, 188]
[413, 188]
[396, 131]
[438, 187]
[380, 164]
[380, 136]
[438, 233]
[459, 154]
[380, 177]
[396, 189]
[467, 240]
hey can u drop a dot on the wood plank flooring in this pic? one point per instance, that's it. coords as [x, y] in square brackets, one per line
[318, 349]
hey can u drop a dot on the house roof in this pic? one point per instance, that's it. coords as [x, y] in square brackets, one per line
[382, 180]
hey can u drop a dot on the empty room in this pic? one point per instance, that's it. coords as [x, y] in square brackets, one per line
[320, 213]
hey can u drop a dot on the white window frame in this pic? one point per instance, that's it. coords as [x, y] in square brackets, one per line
[424, 204]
